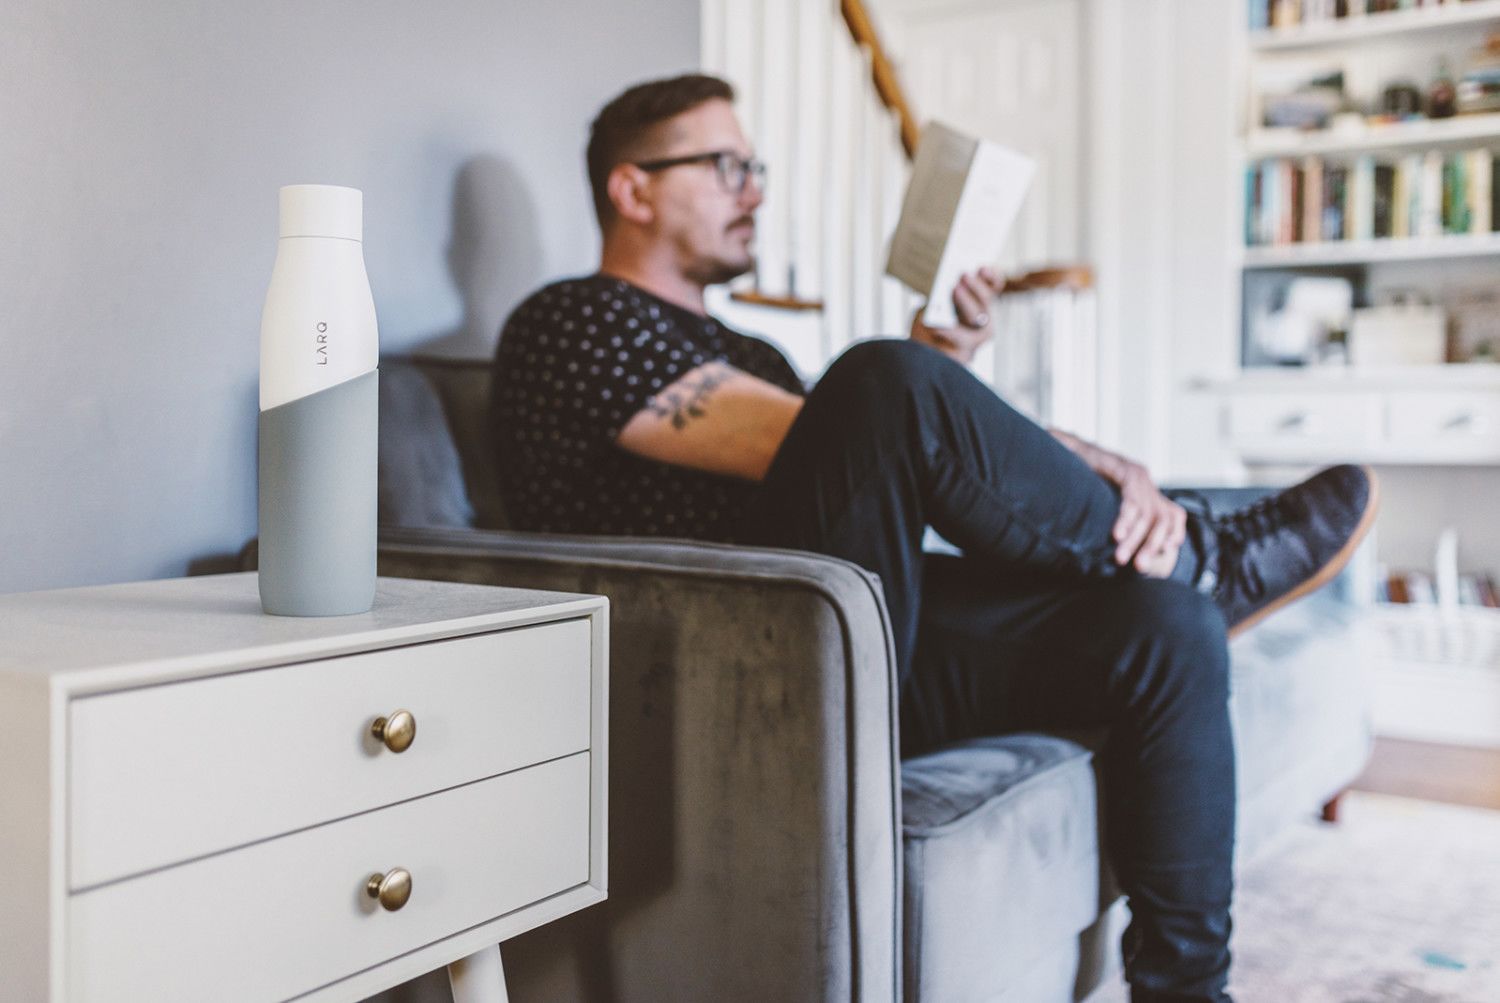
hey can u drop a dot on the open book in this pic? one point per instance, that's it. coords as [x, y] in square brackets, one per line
[963, 197]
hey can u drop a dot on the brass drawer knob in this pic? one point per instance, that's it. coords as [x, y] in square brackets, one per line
[396, 731]
[392, 890]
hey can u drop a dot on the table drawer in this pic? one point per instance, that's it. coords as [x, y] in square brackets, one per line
[1293, 425]
[167, 773]
[1439, 424]
[289, 915]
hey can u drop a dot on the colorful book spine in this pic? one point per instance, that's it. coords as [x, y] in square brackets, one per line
[1312, 200]
[1362, 199]
[1455, 194]
[1267, 213]
[1297, 179]
[1252, 205]
[1335, 186]
[1430, 197]
[1416, 196]
[1400, 199]
[1385, 200]
[1274, 201]
[1481, 190]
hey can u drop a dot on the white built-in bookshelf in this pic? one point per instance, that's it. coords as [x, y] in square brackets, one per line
[1433, 430]
[1381, 187]
[1354, 30]
[1386, 249]
[1462, 130]
[1409, 204]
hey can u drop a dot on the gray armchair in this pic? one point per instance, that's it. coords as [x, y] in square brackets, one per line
[767, 840]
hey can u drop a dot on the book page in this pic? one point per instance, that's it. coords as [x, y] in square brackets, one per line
[937, 182]
[997, 185]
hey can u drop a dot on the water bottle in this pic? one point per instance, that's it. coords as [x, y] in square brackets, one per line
[319, 358]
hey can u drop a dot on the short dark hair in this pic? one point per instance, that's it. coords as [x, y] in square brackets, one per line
[623, 126]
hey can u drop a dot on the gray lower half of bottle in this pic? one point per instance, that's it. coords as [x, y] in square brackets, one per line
[317, 458]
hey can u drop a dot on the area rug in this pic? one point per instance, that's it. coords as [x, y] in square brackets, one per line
[1397, 903]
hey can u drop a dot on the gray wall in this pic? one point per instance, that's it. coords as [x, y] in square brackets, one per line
[141, 147]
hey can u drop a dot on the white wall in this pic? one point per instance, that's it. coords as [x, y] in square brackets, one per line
[1160, 225]
[142, 148]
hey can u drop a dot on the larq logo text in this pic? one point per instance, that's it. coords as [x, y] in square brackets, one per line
[322, 343]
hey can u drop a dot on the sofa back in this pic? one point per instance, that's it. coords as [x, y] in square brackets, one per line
[436, 464]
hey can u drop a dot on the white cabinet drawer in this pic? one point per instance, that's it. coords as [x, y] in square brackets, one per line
[167, 773]
[289, 915]
[1304, 426]
[1433, 425]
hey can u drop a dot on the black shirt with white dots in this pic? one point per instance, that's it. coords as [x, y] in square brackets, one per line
[576, 361]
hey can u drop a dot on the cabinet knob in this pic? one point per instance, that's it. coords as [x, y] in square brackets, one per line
[1298, 423]
[397, 731]
[391, 890]
[1459, 422]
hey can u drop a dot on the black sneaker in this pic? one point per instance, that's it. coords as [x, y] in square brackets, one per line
[1286, 545]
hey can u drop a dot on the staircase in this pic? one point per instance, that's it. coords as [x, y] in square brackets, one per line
[820, 98]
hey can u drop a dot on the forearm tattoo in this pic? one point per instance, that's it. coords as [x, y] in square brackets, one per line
[684, 403]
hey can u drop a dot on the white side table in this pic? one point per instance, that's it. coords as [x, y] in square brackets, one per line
[198, 801]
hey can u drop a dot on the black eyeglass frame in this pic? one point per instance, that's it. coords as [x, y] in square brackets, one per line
[724, 162]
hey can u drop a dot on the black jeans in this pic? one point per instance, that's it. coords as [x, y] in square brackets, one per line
[1034, 627]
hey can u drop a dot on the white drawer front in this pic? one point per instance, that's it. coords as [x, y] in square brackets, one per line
[290, 915]
[168, 773]
[1435, 426]
[1304, 426]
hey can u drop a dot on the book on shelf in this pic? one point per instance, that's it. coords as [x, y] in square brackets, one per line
[1418, 588]
[1275, 14]
[1383, 191]
[1314, 199]
[1362, 199]
[1427, 207]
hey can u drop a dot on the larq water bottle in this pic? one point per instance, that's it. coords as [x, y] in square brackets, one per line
[319, 353]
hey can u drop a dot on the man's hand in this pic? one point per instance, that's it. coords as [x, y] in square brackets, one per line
[1151, 527]
[971, 298]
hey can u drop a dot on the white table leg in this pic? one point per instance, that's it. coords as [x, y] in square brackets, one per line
[479, 978]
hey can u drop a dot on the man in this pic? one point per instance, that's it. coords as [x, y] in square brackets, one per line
[1084, 595]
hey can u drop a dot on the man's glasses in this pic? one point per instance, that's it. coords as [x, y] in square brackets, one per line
[733, 170]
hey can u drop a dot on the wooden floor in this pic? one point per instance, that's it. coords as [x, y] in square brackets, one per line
[1448, 773]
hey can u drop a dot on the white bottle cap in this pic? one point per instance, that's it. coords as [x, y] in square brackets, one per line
[322, 211]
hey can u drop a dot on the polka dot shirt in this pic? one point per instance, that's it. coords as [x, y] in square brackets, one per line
[576, 361]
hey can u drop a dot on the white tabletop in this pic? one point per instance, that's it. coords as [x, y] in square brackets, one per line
[157, 631]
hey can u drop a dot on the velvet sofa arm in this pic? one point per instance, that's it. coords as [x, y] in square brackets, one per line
[754, 774]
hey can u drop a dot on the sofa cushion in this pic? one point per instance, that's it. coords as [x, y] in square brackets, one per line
[421, 479]
[1001, 861]
[463, 386]
[1298, 685]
